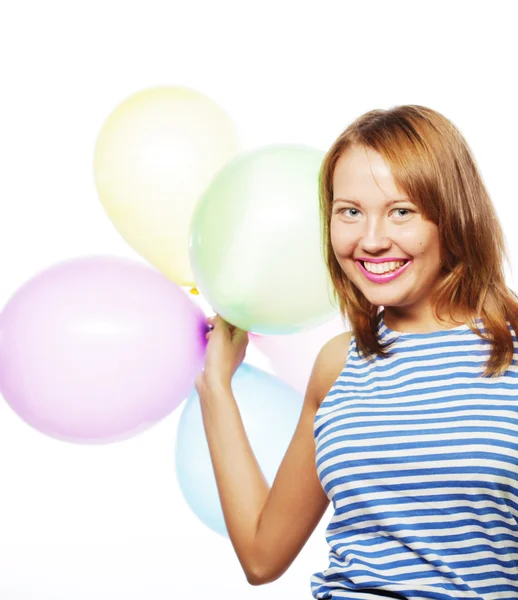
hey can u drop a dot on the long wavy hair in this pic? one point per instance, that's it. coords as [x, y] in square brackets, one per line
[432, 163]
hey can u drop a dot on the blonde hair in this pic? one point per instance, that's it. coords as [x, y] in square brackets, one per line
[432, 163]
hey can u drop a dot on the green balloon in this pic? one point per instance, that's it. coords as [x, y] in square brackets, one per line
[255, 242]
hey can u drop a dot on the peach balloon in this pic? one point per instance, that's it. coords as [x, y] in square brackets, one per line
[292, 356]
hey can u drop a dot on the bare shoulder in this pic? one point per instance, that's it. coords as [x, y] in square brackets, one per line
[329, 364]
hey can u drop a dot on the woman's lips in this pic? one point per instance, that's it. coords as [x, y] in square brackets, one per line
[382, 278]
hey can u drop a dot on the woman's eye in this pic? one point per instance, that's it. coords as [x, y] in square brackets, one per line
[353, 215]
[341, 211]
[405, 210]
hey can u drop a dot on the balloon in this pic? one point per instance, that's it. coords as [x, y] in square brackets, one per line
[255, 242]
[270, 410]
[292, 356]
[155, 155]
[98, 349]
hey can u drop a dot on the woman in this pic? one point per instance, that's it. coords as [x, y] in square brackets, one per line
[410, 420]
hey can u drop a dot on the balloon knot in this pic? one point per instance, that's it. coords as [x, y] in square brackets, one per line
[194, 291]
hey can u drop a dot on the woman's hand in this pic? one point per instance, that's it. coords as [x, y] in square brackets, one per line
[225, 351]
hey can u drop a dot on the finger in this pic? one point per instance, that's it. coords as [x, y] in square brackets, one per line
[221, 324]
[220, 327]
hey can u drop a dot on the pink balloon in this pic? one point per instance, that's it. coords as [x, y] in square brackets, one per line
[98, 349]
[292, 356]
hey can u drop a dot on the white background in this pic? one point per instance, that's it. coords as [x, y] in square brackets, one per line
[109, 522]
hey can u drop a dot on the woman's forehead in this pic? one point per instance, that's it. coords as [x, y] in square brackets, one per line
[361, 174]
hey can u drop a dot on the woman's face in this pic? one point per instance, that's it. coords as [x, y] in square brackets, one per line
[372, 220]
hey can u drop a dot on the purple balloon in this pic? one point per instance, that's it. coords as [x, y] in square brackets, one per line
[95, 350]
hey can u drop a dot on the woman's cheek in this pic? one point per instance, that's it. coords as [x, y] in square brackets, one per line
[343, 241]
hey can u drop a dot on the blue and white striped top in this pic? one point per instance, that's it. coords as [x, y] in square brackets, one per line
[419, 455]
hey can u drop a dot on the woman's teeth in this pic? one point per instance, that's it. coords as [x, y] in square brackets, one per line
[383, 267]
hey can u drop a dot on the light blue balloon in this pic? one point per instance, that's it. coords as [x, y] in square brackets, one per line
[270, 410]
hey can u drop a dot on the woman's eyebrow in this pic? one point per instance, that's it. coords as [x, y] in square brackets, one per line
[388, 203]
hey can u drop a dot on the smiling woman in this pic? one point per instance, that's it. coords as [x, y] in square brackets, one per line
[410, 420]
[403, 185]
[367, 228]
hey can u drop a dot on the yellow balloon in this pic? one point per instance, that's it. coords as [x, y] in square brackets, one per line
[155, 155]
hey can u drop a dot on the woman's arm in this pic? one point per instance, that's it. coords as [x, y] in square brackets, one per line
[268, 528]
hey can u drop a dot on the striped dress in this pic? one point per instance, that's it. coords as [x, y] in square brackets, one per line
[418, 454]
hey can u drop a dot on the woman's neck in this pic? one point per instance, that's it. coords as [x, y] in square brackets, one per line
[422, 321]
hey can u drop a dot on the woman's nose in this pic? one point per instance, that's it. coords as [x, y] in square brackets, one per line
[375, 238]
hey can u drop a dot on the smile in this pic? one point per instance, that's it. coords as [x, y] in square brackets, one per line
[382, 277]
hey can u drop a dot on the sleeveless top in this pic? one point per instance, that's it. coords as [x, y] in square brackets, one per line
[418, 454]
